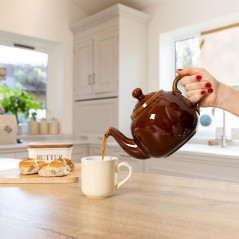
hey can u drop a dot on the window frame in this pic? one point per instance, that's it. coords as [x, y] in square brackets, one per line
[50, 48]
[167, 44]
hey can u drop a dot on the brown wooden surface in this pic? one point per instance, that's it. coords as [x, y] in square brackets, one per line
[148, 206]
[12, 175]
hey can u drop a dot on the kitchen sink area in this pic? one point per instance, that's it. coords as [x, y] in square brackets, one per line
[202, 146]
[211, 149]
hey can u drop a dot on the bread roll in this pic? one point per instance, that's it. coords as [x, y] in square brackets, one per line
[56, 168]
[30, 165]
[68, 162]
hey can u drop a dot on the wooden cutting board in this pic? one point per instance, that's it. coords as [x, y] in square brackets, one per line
[11, 175]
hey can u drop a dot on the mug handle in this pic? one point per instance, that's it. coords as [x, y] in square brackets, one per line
[176, 90]
[128, 176]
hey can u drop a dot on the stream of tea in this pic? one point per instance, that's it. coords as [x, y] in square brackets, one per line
[103, 146]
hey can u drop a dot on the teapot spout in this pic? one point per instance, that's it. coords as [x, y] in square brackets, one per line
[128, 145]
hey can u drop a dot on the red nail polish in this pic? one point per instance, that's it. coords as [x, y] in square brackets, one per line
[210, 90]
[208, 84]
[179, 69]
[198, 77]
[203, 92]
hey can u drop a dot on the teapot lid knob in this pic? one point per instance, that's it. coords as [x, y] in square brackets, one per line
[143, 100]
[138, 94]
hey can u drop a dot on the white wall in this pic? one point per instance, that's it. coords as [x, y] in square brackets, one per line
[176, 14]
[48, 20]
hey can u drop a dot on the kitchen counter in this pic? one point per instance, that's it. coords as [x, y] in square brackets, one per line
[148, 206]
[190, 147]
[61, 139]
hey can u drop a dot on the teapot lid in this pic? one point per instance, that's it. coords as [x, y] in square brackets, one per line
[143, 100]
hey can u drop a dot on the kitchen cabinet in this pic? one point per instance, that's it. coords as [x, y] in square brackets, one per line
[18, 153]
[110, 61]
[196, 165]
[94, 117]
[7, 155]
[95, 66]
[137, 164]
[21, 154]
[79, 151]
[95, 150]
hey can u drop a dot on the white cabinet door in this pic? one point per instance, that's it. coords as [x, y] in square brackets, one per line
[7, 155]
[95, 150]
[105, 63]
[96, 66]
[137, 164]
[78, 152]
[197, 165]
[21, 155]
[93, 117]
[83, 69]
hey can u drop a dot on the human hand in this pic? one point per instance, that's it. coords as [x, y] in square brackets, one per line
[200, 85]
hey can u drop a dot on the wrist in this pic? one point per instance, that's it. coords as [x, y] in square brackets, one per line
[227, 99]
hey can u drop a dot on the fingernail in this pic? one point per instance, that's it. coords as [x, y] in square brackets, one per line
[210, 90]
[208, 84]
[179, 69]
[198, 77]
[203, 92]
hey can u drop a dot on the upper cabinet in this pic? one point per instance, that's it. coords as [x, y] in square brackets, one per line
[110, 61]
[96, 66]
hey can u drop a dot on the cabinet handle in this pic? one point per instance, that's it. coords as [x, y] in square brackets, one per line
[93, 78]
[90, 79]
[83, 137]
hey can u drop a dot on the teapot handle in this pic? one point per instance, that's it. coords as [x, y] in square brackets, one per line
[176, 90]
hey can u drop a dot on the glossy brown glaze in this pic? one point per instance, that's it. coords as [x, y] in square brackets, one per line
[165, 126]
[161, 123]
[128, 145]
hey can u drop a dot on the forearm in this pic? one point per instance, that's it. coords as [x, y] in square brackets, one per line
[228, 99]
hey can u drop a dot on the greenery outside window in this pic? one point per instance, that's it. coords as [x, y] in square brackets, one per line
[26, 68]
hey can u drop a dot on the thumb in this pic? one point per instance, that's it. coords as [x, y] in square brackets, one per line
[182, 72]
[189, 71]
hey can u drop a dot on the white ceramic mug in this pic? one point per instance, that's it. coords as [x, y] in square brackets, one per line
[99, 177]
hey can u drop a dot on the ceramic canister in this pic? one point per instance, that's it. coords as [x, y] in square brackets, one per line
[33, 127]
[53, 126]
[43, 126]
[49, 152]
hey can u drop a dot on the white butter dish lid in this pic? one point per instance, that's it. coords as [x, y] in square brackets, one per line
[48, 145]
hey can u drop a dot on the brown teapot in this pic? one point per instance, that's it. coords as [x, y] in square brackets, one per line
[162, 122]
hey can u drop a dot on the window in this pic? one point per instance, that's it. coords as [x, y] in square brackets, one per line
[177, 46]
[217, 51]
[187, 53]
[25, 67]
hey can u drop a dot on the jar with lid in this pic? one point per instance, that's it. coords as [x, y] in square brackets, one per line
[33, 127]
[53, 126]
[43, 126]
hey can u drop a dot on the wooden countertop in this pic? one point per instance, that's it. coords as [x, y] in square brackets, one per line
[148, 206]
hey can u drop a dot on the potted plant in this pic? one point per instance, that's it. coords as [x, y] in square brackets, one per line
[16, 101]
